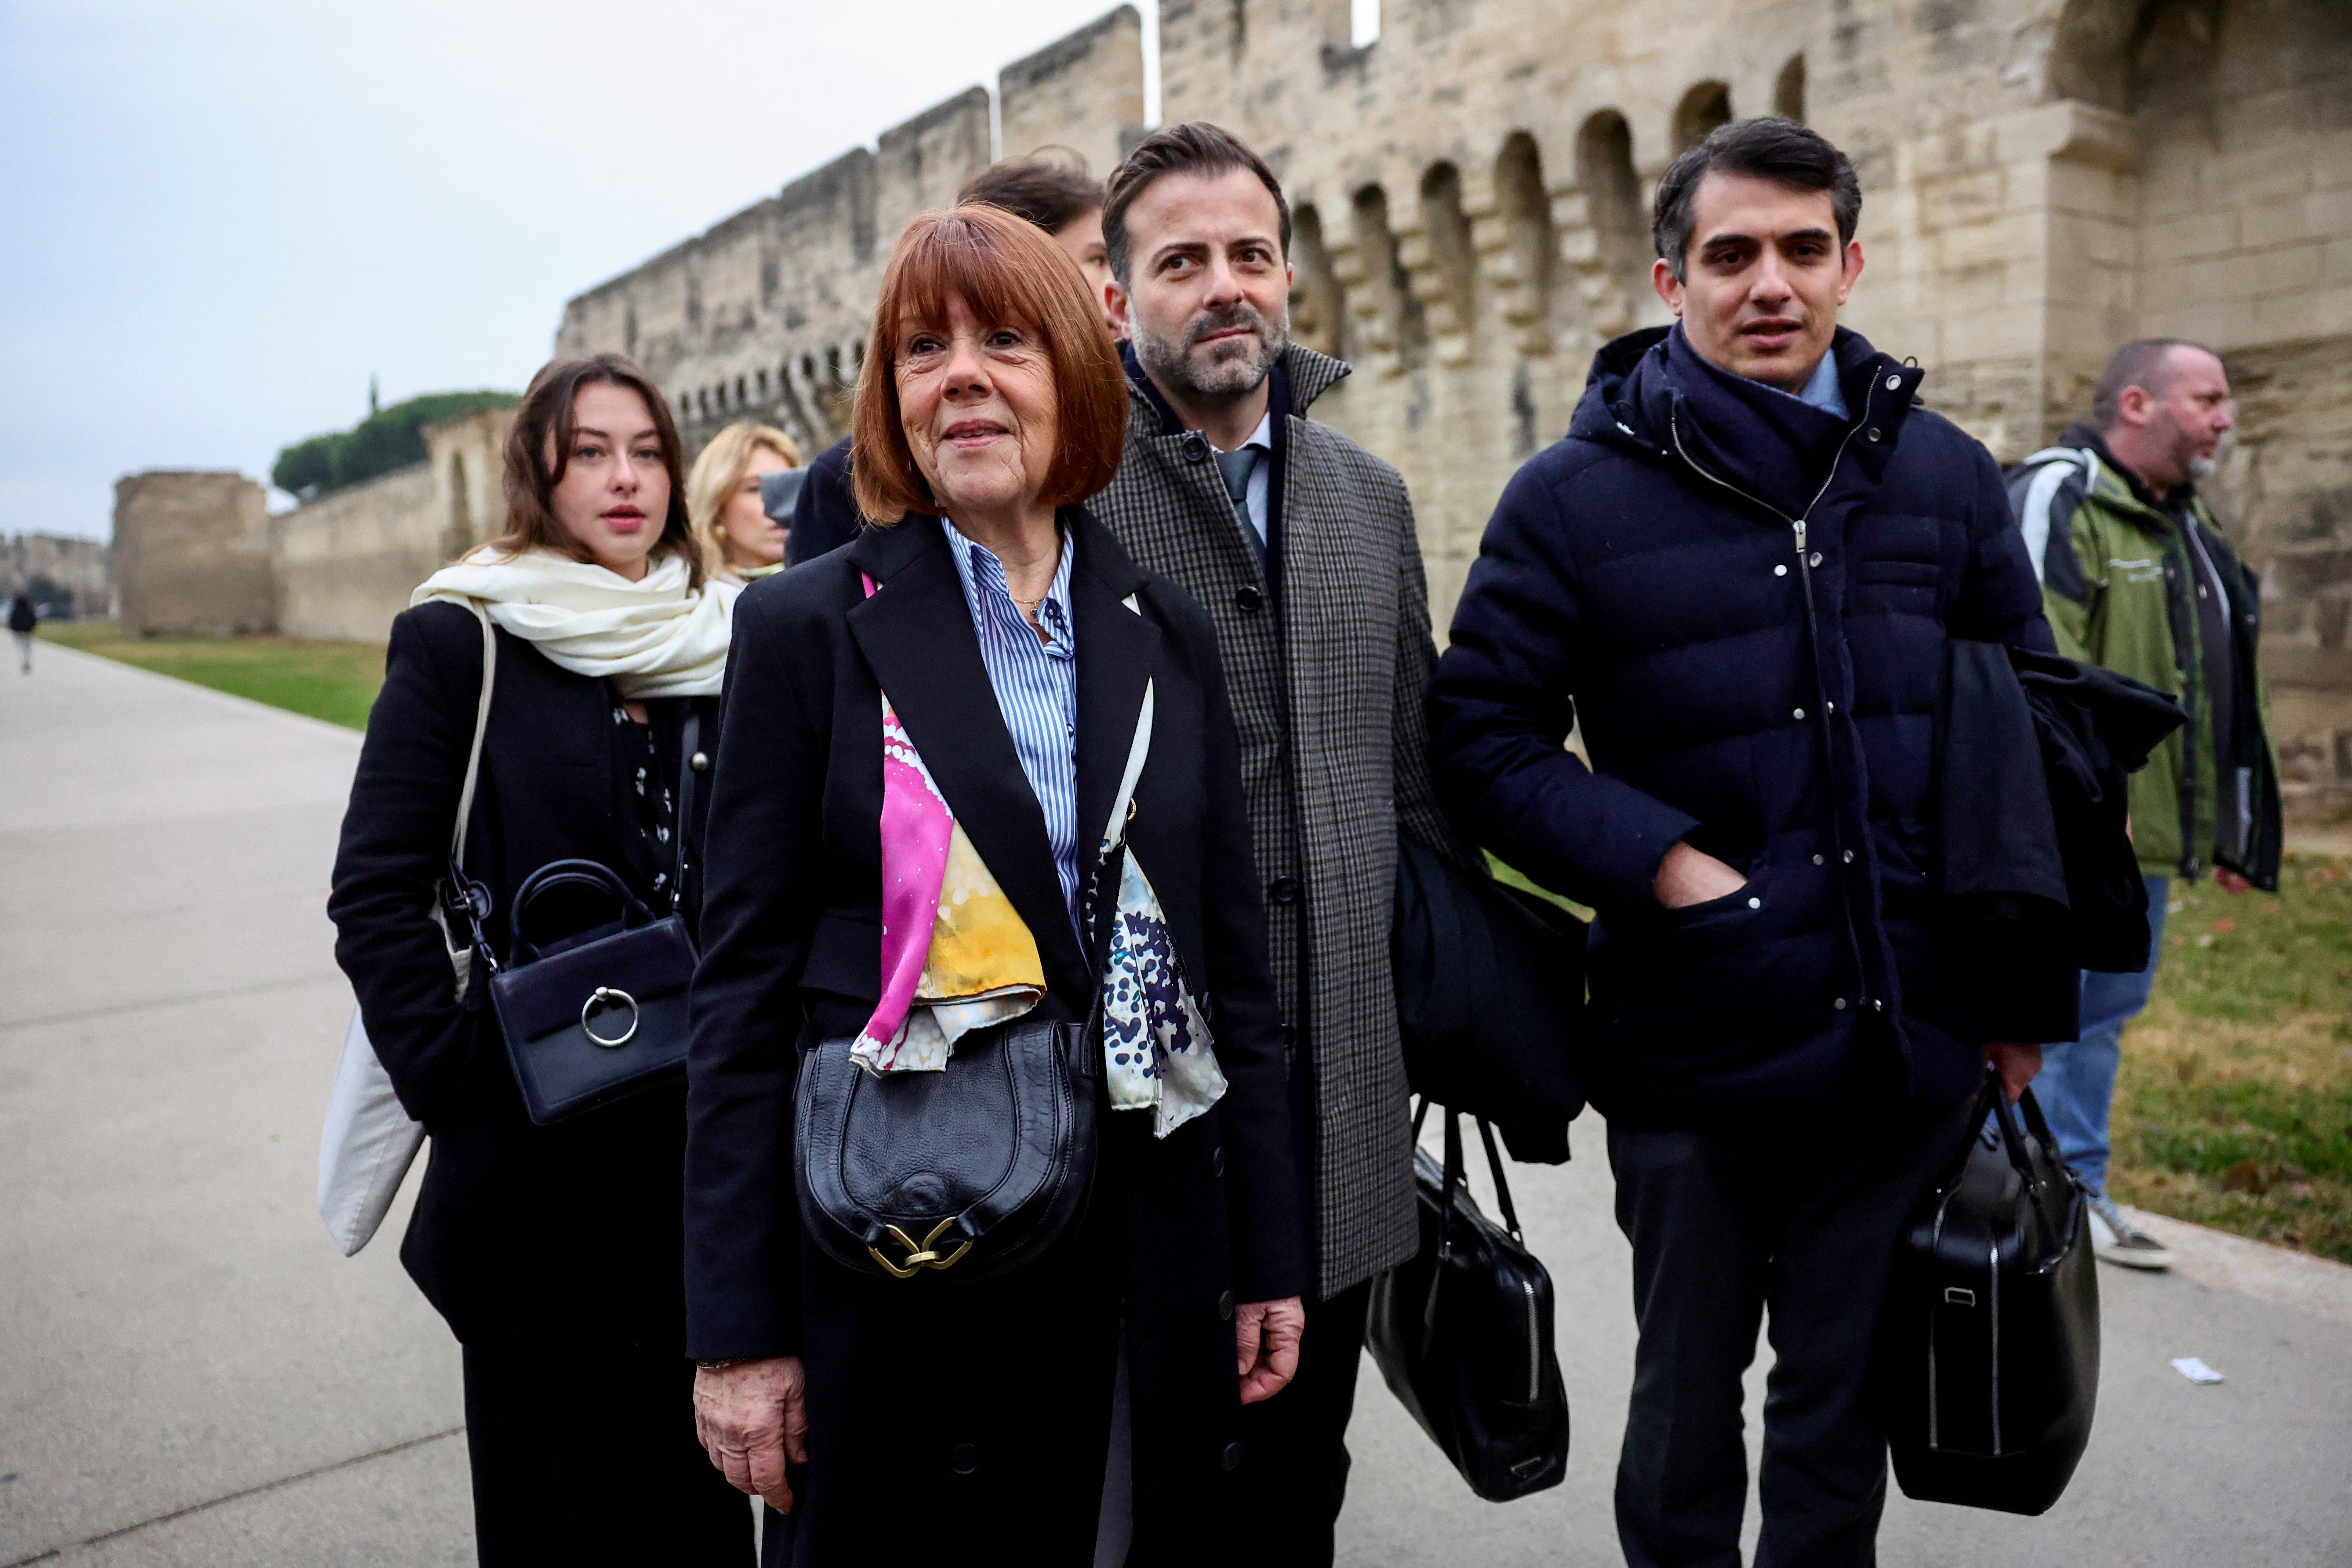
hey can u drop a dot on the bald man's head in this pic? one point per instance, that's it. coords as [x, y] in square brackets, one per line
[2162, 407]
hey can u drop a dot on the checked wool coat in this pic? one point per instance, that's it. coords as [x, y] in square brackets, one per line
[1327, 666]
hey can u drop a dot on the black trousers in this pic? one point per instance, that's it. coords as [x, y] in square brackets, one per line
[588, 1461]
[1296, 1441]
[1803, 1223]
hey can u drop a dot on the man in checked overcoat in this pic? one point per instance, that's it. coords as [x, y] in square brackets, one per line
[1301, 546]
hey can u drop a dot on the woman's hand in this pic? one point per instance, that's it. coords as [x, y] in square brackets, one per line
[1266, 1336]
[751, 1417]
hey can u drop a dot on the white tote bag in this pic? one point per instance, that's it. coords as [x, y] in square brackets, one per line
[369, 1141]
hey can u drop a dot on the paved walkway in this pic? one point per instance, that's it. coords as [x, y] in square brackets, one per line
[190, 1375]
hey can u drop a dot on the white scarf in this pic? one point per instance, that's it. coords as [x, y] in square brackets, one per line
[655, 637]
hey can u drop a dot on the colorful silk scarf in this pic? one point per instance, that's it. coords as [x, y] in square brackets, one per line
[957, 956]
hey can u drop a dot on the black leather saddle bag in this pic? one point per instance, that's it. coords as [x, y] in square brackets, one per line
[1989, 1358]
[1463, 1332]
[977, 1169]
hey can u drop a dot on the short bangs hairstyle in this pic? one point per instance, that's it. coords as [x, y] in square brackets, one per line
[1007, 274]
[544, 419]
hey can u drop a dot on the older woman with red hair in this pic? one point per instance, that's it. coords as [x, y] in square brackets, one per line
[912, 849]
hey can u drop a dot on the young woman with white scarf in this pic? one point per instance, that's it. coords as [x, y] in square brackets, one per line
[553, 1251]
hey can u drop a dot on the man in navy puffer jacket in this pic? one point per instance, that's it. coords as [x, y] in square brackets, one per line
[1738, 572]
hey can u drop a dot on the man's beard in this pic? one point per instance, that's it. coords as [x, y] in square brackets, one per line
[2201, 468]
[1226, 372]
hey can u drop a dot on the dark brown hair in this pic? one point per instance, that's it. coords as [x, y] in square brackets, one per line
[546, 413]
[1037, 189]
[1767, 147]
[1007, 273]
[1195, 148]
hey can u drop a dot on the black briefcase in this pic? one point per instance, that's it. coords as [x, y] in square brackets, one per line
[1991, 1349]
[1490, 993]
[1462, 1333]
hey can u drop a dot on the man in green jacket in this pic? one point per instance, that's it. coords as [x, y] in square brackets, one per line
[2137, 576]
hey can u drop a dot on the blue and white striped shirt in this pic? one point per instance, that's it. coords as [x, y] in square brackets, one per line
[1036, 686]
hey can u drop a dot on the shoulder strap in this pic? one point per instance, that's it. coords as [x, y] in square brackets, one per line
[1114, 831]
[689, 745]
[482, 725]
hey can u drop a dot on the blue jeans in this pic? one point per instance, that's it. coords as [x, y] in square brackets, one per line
[2077, 1080]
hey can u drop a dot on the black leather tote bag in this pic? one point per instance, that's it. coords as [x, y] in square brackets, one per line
[596, 1018]
[1463, 1332]
[1490, 994]
[1990, 1351]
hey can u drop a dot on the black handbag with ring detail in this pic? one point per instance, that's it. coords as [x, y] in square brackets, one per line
[595, 1018]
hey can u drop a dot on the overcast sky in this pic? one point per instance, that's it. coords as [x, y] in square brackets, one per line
[222, 215]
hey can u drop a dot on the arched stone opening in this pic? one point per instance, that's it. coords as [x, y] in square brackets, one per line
[1318, 305]
[1789, 90]
[1531, 242]
[1447, 283]
[1703, 109]
[1391, 318]
[1621, 229]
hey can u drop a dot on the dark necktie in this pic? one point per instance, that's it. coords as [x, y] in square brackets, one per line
[1237, 467]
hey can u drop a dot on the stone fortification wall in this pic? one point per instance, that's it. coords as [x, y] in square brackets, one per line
[2044, 179]
[347, 562]
[192, 554]
[1083, 92]
[82, 567]
[764, 316]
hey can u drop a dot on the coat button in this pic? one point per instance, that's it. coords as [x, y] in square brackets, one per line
[1779, 571]
[1839, 1004]
[1196, 449]
[963, 1458]
[1817, 558]
[1216, 1162]
[1283, 890]
[1799, 712]
[699, 761]
[1893, 382]
[1249, 600]
[1754, 903]
[1873, 433]
[1233, 1457]
[1225, 1305]
[1817, 859]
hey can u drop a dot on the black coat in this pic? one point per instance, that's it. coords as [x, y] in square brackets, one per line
[825, 515]
[1770, 698]
[523, 1237]
[981, 1404]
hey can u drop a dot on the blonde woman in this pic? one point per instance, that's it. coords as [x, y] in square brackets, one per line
[738, 539]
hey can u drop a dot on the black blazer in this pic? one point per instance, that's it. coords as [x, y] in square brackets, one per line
[1179, 1229]
[522, 1234]
[792, 919]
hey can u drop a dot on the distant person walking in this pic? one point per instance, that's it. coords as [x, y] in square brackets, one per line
[740, 541]
[1047, 192]
[22, 620]
[2137, 576]
[553, 1251]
